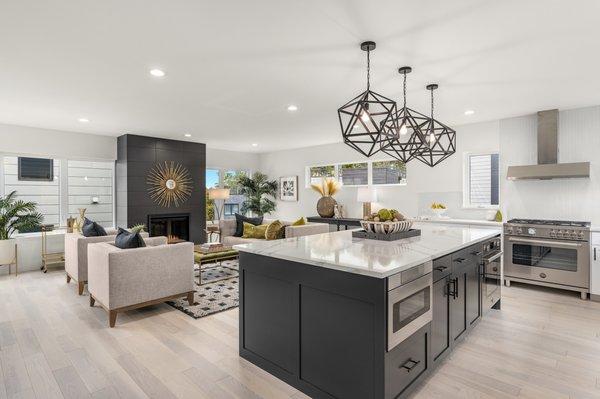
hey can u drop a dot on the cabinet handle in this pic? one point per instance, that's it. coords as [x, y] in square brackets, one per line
[456, 287]
[453, 292]
[410, 364]
[476, 253]
[441, 268]
[460, 260]
[594, 253]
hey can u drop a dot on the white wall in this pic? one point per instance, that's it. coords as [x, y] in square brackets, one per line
[568, 199]
[25, 140]
[424, 184]
[231, 160]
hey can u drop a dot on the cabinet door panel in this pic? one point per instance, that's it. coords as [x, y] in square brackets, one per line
[440, 325]
[458, 319]
[473, 294]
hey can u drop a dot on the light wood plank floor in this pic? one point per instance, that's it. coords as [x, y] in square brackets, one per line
[543, 344]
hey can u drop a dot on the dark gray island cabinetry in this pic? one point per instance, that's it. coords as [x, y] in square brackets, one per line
[338, 317]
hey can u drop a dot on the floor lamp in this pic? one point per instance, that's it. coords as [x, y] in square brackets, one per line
[218, 194]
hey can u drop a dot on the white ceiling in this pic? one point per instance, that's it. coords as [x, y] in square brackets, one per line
[234, 66]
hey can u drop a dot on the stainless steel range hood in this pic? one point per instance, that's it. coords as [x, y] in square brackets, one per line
[548, 166]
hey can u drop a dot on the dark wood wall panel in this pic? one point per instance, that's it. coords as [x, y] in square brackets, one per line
[136, 157]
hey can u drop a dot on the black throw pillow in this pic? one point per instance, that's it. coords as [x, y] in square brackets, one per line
[239, 223]
[127, 240]
[92, 229]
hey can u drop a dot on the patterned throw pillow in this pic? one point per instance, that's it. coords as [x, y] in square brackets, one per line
[299, 222]
[275, 230]
[251, 231]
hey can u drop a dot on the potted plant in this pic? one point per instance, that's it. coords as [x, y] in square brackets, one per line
[327, 189]
[257, 188]
[15, 215]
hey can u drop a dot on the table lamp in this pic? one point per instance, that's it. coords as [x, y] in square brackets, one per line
[366, 195]
[218, 194]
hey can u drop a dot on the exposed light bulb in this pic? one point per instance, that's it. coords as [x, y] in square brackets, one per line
[365, 116]
[431, 138]
[403, 129]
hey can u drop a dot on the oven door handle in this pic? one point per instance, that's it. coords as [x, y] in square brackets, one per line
[493, 257]
[545, 242]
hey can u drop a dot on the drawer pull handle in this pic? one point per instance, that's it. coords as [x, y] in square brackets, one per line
[441, 268]
[410, 364]
[460, 260]
[476, 253]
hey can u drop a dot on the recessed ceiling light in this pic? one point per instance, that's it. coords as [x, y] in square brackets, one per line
[159, 73]
[187, 135]
[83, 120]
[292, 108]
[469, 112]
[254, 145]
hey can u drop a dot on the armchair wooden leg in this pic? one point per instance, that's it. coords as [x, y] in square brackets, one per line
[68, 279]
[92, 301]
[80, 285]
[112, 318]
[190, 298]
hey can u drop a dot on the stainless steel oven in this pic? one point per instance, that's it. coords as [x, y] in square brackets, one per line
[491, 274]
[409, 302]
[552, 255]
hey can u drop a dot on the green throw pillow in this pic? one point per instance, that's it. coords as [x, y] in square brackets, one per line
[275, 230]
[252, 231]
[299, 222]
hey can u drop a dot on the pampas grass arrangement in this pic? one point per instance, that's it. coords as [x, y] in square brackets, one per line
[328, 187]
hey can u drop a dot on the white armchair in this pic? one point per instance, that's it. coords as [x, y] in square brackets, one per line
[125, 279]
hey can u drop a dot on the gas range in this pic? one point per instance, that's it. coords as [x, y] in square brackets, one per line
[549, 229]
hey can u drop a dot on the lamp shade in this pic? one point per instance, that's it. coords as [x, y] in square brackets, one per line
[366, 194]
[218, 193]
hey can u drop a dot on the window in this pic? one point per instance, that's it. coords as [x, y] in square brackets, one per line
[230, 181]
[36, 169]
[317, 173]
[354, 174]
[231, 209]
[481, 180]
[389, 172]
[212, 178]
[46, 194]
[91, 186]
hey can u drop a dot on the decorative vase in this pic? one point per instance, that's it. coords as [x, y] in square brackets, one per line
[80, 220]
[326, 206]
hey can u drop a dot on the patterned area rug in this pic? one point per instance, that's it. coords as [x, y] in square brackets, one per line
[219, 290]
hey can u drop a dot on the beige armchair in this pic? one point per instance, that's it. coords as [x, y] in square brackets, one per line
[227, 228]
[76, 258]
[125, 279]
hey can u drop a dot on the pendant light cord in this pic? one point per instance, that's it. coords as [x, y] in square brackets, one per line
[368, 70]
[404, 89]
[432, 105]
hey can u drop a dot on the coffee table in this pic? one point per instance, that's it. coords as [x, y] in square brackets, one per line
[213, 257]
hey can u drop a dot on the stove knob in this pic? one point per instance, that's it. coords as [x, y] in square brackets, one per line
[552, 233]
[559, 233]
[519, 230]
[509, 230]
[581, 235]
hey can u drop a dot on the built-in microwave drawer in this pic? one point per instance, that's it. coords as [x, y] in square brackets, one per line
[442, 267]
[406, 362]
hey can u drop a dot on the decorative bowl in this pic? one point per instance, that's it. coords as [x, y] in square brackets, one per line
[386, 227]
[439, 211]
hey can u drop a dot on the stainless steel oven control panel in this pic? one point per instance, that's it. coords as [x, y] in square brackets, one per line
[554, 232]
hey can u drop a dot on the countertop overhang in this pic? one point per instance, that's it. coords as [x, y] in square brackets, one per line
[340, 251]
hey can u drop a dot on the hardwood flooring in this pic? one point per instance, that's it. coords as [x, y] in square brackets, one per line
[543, 344]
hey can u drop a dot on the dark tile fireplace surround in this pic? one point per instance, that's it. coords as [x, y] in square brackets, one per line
[137, 155]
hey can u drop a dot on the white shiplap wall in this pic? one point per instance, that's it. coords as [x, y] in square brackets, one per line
[45, 193]
[91, 179]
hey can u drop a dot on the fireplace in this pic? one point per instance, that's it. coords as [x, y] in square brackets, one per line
[173, 226]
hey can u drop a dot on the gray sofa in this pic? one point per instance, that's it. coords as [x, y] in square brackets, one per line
[227, 228]
[125, 279]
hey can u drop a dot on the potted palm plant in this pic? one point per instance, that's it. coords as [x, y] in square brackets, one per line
[257, 189]
[15, 215]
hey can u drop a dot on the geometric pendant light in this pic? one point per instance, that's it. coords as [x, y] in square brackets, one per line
[367, 119]
[405, 136]
[439, 138]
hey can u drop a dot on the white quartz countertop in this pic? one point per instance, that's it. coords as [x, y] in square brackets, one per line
[340, 251]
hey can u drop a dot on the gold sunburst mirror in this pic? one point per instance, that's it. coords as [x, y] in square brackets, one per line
[170, 184]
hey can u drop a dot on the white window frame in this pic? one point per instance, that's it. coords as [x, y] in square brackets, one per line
[467, 180]
[336, 175]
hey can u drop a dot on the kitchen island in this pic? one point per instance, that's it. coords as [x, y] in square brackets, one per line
[341, 317]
